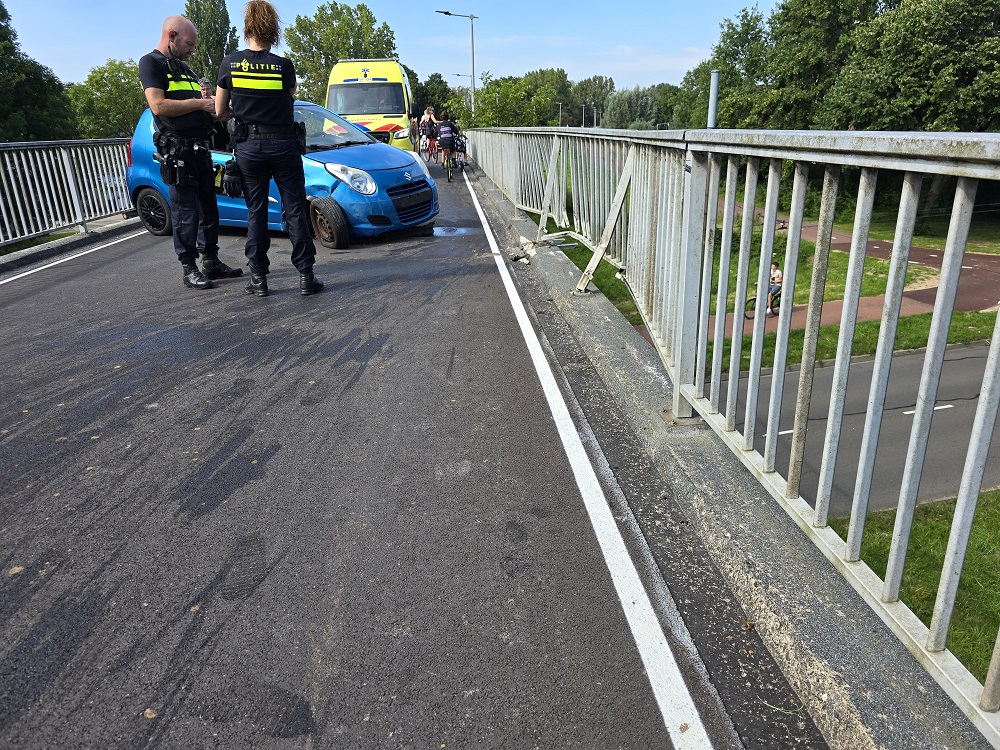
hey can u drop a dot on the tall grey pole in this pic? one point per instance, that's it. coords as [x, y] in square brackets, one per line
[472, 32]
[472, 28]
[713, 99]
[583, 117]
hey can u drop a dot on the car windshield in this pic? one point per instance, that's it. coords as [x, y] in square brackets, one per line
[325, 130]
[367, 98]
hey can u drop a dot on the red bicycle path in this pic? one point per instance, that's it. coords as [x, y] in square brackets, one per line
[978, 285]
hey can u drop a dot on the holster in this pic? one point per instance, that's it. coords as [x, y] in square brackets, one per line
[166, 154]
[300, 136]
[238, 130]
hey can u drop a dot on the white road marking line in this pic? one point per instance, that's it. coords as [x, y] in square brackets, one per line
[72, 257]
[687, 732]
[936, 408]
[785, 432]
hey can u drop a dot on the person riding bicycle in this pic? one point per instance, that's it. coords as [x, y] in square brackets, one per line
[427, 123]
[460, 150]
[447, 131]
[775, 286]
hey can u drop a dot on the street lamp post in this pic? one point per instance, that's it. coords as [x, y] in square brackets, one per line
[472, 31]
[583, 116]
[560, 113]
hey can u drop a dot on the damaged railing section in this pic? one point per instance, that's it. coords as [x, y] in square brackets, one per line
[650, 203]
[47, 186]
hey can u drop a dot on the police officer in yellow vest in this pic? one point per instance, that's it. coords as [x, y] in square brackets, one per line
[184, 123]
[256, 89]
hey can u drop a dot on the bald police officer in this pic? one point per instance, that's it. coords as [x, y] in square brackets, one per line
[184, 122]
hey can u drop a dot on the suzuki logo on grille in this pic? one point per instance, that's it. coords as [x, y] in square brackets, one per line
[407, 176]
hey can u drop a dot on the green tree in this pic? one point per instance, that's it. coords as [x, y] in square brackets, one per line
[630, 108]
[921, 66]
[504, 102]
[562, 91]
[33, 102]
[433, 92]
[665, 99]
[741, 57]
[337, 31]
[217, 37]
[691, 100]
[108, 104]
[593, 92]
[810, 42]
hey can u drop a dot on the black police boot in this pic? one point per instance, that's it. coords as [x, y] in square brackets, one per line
[193, 278]
[213, 268]
[257, 284]
[309, 284]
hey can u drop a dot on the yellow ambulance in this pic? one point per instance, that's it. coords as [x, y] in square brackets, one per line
[376, 95]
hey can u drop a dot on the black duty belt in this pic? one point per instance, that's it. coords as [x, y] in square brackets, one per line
[270, 136]
[188, 141]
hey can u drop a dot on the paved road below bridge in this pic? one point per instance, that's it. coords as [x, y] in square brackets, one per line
[349, 520]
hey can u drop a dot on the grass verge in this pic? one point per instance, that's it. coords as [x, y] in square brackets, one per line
[614, 289]
[25, 244]
[977, 605]
[911, 333]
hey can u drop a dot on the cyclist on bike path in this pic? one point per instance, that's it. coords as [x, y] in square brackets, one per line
[427, 126]
[775, 286]
[447, 131]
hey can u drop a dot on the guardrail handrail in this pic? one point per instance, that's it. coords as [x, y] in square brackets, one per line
[648, 202]
[46, 186]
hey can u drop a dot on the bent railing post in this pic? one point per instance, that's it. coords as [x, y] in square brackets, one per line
[552, 172]
[609, 226]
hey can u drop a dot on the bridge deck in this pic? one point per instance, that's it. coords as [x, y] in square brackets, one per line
[348, 521]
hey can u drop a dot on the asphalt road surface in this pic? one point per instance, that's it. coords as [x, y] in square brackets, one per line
[948, 443]
[345, 520]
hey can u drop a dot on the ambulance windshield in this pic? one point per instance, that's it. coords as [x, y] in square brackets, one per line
[366, 98]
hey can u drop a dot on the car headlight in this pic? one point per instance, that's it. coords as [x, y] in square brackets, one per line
[418, 159]
[401, 134]
[357, 179]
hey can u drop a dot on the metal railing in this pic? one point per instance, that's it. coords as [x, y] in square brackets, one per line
[649, 202]
[52, 185]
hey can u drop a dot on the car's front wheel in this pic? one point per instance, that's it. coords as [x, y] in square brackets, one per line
[154, 212]
[329, 223]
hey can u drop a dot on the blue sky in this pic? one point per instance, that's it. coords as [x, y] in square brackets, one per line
[637, 44]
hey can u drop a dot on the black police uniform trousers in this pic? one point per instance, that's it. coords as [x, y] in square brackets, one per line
[260, 160]
[194, 209]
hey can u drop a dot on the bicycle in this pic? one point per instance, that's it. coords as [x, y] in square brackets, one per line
[448, 162]
[432, 149]
[751, 307]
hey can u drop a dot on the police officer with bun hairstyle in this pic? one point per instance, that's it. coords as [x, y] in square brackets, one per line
[256, 89]
[184, 123]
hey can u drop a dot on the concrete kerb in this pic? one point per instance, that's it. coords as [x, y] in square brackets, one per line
[104, 230]
[860, 685]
